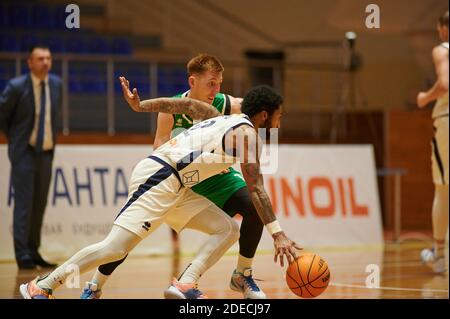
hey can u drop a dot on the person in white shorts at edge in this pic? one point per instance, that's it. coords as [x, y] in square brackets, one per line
[159, 190]
[435, 257]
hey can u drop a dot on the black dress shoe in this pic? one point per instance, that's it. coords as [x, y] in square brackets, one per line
[26, 264]
[42, 263]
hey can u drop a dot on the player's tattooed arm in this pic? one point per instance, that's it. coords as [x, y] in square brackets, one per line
[258, 194]
[196, 109]
[247, 144]
[248, 147]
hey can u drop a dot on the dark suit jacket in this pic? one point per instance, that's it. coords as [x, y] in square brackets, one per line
[17, 112]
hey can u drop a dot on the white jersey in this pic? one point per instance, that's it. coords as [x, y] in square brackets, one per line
[199, 152]
[441, 106]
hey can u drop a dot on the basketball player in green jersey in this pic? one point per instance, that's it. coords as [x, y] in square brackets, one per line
[227, 190]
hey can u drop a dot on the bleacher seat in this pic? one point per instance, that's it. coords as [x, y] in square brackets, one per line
[120, 46]
[41, 17]
[27, 40]
[98, 45]
[26, 23]
[75, 44]
[8, 43]
[19, 16]
[59, 17]
[55, 43]
[4, 16]
[7, 72]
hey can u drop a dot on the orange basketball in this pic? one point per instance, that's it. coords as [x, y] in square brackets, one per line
[308, 276]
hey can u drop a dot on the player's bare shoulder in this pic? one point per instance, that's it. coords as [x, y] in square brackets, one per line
[247, 143]
[236, 104]
[440, 52]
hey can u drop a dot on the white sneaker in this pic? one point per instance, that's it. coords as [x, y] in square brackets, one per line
[177, 290]
[436, 263]
[243, 282]
[91, 291]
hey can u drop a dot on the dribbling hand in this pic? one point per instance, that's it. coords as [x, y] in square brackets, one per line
[284, 247]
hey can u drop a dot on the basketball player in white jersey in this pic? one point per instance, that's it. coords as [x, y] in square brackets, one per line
[435, 257]
[159, 190]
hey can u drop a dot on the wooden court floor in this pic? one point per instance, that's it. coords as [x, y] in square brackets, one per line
[401, 275]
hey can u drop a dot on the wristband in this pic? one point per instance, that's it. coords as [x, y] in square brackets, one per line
[274, 227]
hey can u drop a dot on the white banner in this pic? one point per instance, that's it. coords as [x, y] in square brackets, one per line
[322, 195]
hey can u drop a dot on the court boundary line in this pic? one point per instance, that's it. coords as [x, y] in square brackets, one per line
[387, 288]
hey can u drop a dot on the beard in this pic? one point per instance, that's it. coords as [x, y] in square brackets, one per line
[265, 134]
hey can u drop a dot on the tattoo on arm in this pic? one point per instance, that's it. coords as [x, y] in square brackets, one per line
[252, 173]
[196, 109]
[258, 194]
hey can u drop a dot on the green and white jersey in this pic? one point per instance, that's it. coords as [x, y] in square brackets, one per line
[221, 102]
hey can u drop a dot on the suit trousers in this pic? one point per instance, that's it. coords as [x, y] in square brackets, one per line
[30, 178]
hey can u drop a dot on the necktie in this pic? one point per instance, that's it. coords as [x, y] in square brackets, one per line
[40, 132]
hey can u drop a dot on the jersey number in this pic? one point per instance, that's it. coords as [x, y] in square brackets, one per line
[203, 124]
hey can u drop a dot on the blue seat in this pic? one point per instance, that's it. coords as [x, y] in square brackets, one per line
[98, 45]
[4, 16]
[171, 80]
[55, 43]
[121, 46]
[75, 78]
[75, 86]
[2, 84]
[7, 71]
[59, 15]
[41, 17]
[27, 41]
[9, 43]
[20, 16]
[94, 79]
[75, 44]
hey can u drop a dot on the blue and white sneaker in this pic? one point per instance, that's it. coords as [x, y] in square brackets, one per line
[437, 264]
[244, 282]
[177, 290]
[91, 291]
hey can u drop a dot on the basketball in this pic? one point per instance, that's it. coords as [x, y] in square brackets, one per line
[308, 276]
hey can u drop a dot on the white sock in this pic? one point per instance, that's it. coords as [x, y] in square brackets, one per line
[223, 233]
[440, 218]
[243, 262]
[114, 247]
[99, 279]
[439, 247]
[192, 273]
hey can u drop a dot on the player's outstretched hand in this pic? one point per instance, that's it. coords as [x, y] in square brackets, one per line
[284, 247]
[132, 98]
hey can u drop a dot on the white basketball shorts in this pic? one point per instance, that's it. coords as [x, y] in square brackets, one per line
[157, 196]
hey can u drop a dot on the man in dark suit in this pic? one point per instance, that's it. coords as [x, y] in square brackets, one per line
[29, 108]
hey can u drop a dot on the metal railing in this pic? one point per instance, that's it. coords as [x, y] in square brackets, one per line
[237, 81]
[397, 174]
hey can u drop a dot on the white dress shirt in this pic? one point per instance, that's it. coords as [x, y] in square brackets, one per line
[48, 139]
